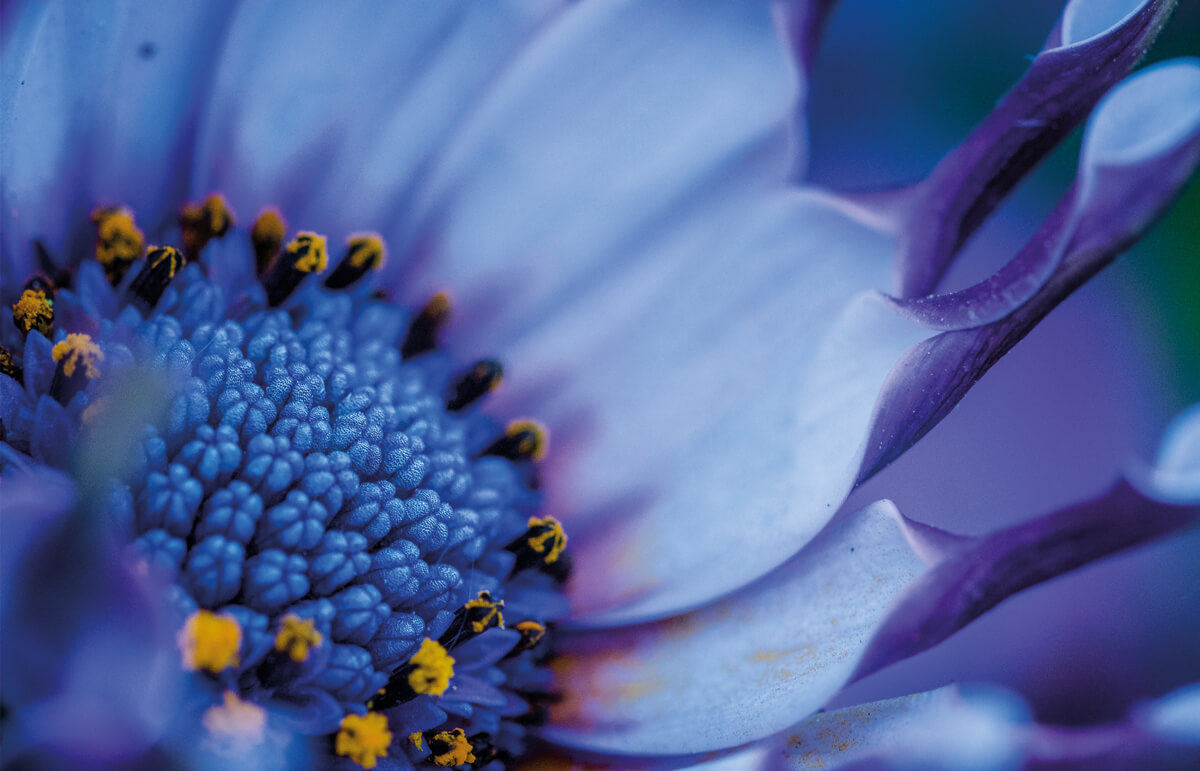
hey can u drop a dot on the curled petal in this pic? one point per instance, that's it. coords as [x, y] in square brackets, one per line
[1141, 147]
[1094, 45]
[971, 577]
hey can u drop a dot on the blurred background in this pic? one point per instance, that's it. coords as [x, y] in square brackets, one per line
[896, 85]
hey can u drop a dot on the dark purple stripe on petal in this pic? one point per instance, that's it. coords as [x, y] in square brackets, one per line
[980, 576]
[1066, 79]
[1142, 145]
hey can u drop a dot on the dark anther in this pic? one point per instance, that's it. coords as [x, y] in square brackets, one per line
[305, 254]
[35, 310]
[476, 616]
[541, 546]
[482, 377]
[522, 440]
[423, 331]
[531, 634]
[9, 366]
[78, 359]
[201, 222]
[363, 253]
[267, 236]
[160, 266]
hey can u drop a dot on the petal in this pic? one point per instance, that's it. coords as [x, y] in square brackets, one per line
[98, 106]
[975, 730]
[726, 420]
[1096, 43]
[744, 667]
[971, 577]
[1141, 147]
[315, 111]
[611, 125]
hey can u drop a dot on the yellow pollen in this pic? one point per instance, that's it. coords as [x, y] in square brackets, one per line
[536, 442]
[307, 252]
[236, 722]
[433, 668]
[531, 630]
[170, 253]
[34, 311]
[297, 636]
[417, 740]
[549, 542]
[218, 218]
[78, 350]
[210, 642]
[366, 250]
[269, 228]
[493, 612]
[363, 738]
[118, 238]
[451, 748]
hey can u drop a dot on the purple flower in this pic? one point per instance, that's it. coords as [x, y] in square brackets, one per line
[336, 522]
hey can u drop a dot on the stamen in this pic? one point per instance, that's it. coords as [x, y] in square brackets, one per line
[34, 311]
[531, 634]
[296, 637]
[428, 671]
[542, 544]
[201, 222]
[236, 723]
[161, 265]
[77, 357]
[267, 236]
[119, 241]
[9, 366]
[451, 748]
[304, 255]
[422, 332]
[364, 252]
[481, 378]
[477, 615]
[363, 738]
[417, 740]
[209, 642]
[522, 440]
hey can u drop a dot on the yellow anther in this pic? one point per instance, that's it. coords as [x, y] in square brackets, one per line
[531, 633]
[165, 258]
[306, 252]
[488, 614]
[218, 217]
[236, 723]
[532, 439]
[34, 311]
[8, 365]
[267, 235]
[366, 250]
[417, 740]
[201, 222]
[119, 241]
[78, 351]
[296, 636]
[546, 537]
[451, 748]
[432, 669]
[363, 738]
[209, 642]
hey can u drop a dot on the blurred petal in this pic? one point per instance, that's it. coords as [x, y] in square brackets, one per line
[317, 112]
[744, 667]
[975, 730]
[94, 97]
[971, 578]
[741, 433]
[1095, 44]
[1141, 147]
[599, 136]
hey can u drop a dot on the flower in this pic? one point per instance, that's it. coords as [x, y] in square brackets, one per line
[337, 520]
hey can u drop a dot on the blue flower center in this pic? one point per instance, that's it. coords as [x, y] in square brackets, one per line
[352, 545]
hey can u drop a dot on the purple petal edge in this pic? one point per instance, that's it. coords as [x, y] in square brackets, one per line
[977, 577]
[1057, 92]
[1116, 205]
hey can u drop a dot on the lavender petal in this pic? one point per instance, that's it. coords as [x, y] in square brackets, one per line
[1094, 45]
